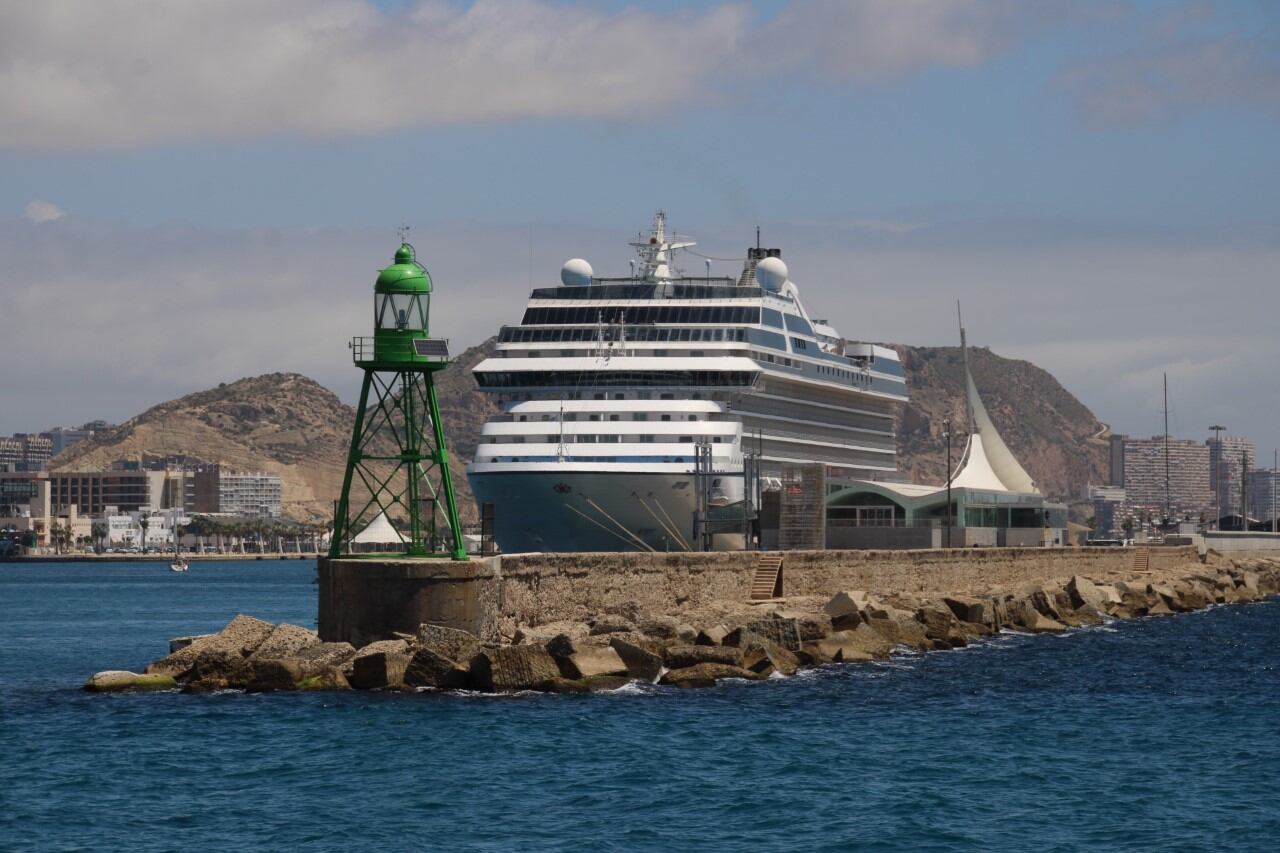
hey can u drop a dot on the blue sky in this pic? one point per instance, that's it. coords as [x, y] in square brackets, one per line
[1096, 180]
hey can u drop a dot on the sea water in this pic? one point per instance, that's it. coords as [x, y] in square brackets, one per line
[1152, 734]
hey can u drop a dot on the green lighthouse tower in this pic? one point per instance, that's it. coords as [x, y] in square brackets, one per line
[398, 465]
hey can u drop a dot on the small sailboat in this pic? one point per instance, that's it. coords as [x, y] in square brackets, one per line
[178, 564]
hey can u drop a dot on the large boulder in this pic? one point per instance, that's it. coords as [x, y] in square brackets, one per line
[713, 636]
[512, 668]
[178, 643]
[1029, 618]
[781, 630]
[662, 628]
[706, 675]
[611, 625]
[859, 644]
[764, 657]
[429, 668]
[285, 641]
[330, 678]
[1084, 591]
[591, 661]
[1044, 599]
[271, 674]
[380, 665]
[217, 669]
[968, 609]
[242, 635]
[122, 681]
[938, 620]
[316, 659]
[679, 657]
[641, 661]
[452, 643]
[847, 603]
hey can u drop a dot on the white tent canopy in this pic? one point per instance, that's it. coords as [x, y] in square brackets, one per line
[378, 532]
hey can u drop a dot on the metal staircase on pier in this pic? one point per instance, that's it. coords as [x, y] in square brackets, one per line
[767, 581]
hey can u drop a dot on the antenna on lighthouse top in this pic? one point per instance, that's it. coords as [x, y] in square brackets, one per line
[403, 232]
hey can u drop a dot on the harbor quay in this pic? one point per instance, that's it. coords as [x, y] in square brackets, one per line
[580, 623]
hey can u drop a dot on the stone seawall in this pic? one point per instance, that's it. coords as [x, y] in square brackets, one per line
[542, 588]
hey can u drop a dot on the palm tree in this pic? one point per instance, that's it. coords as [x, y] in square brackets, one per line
[144, 523]
[98, 530]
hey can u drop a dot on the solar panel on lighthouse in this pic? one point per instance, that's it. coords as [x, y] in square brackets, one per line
[431, 348]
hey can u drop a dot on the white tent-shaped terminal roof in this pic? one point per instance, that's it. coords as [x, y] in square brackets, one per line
[987, 462]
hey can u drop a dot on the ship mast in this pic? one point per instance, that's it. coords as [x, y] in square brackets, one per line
[655, 252]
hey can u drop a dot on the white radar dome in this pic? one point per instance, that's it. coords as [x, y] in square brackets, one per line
[576, 272]
[771, 273]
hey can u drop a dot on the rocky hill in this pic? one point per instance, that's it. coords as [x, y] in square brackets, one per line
[290, 424]
[1055, 436]
[280, 422]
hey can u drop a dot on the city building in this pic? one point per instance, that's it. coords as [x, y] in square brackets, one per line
[17, 488]
[64, 437]
[1149, 462]
[219, 490]
[1108, 511]
[1229, 458]
[1116, 467]
[26, 451]
[1264, 502]
[92, 492]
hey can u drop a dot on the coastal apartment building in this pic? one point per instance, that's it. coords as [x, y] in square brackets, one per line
[249, 493]
[91, 492]
[1229, 458]
[26, 451]
[1187, 468]
[1264, 501]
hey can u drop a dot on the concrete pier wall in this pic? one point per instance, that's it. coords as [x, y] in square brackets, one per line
[368, 599]
[540, 588]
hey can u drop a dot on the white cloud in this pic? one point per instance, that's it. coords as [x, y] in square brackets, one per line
[882, 38]
[43, 211]
[113, 74]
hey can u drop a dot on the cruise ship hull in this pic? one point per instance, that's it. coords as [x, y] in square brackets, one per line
[589, 511]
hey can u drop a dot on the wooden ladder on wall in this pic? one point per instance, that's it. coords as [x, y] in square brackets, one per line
[1142, 559]
[767, 581]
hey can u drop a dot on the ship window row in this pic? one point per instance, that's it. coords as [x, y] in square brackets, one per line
[643, 290]
[568, 417]
[642, 314]
[790, 322]
[688, 460]
[640, 334]
[605, 438]
[614, 379]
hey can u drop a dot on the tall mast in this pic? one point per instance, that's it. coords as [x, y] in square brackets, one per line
[1166, 449]
[964, 356]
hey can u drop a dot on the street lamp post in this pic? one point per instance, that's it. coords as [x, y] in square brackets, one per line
[950, 515]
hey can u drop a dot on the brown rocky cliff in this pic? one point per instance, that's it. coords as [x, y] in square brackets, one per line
[1055, 436]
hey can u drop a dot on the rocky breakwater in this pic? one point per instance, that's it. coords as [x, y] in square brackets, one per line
[625, 643]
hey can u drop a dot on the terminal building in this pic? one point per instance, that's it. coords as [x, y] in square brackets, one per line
[993, 501]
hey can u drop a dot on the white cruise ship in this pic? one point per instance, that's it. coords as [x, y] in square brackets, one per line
[637, 412]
